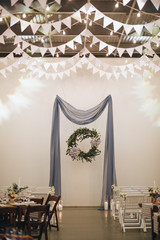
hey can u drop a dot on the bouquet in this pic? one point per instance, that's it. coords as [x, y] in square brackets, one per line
[14, 190]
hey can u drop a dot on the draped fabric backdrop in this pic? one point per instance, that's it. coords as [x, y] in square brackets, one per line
[82, 117]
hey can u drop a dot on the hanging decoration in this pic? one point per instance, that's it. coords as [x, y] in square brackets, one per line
[78, 136]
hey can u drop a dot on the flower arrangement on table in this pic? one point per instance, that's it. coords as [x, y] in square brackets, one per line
[52, 190]
[14, 190]
[154, 193]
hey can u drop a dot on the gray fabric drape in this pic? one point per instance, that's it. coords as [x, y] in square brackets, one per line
[82, 117]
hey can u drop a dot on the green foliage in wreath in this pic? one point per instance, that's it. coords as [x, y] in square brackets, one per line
[79, 135]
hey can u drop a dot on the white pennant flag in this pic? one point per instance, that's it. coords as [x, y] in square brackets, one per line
[149, 26]
[95, 70]
[108, 75]
[13, 2]
[9, 33]
[155, 40]
[27, 2]
[67, 72]
[52, 51]
[125, 2]
[138, 29]
[79, 64]
[3, 72]
[4, 60]
[17, 50]
[46, 27]
[43, 50]
[107, 21]
[147, 45]
[90, 66]
[116, 26]
[110, 49]
[130, 51]
[102, 45]
[67, 22]
[95, 40]
[57, 26]
[42, 2]
[9, 68]
[34, 27]
[46, 66]
[25, 45]
[34, 49]
[139, 49]
[70, 44]
[127, 28]
[101, 73]
[10, 56]
[120, 51]
[58, 1]
[62, 48]
[98, 15]
[24, 25]
[2, 39]
[77, 16]
[141, 3]
[73, 69]
[124, 73]
[78, 39]
[17, 40]
[5, 13]
[13, 20]
[156, 3]
[116, 75]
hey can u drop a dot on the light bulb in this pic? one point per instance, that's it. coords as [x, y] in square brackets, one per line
[90, 23]
[111, 33]
[138, 14]
[75, 47]
[64, 32]
[106, 54]
[117, 5]
[157, 44]
[57, 55]
[24, 15]
[19, 45]
[42, 40]
[47, 8]
[90, 45]
[1, 19]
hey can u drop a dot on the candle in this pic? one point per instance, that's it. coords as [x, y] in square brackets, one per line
[106, 205]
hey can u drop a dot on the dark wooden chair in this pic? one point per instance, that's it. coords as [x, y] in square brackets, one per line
[35, 227]
[8, 216]
[53, 211]
[153, 210]
[37, 200]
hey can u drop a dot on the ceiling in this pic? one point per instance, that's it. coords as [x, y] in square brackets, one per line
[37, 14]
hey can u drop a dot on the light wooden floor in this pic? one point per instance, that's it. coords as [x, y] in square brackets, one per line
[92, 224]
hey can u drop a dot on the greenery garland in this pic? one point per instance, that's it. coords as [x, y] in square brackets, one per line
[79, 135]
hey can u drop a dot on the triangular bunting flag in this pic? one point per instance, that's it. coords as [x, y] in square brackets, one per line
[90, 66]
[57, 26]
[58, 1]
[110, 49]
[62, 48]
[98, 15]
[141, 3]
[52, 51]
[116, 26]
[13, 20]
[27, 2]
[95, 40]
[101, 73]
[34, 27]
[95, 70]
[116, 75]
[42, 2]
[70, 44]
[138, 29]
[25, 45]
[79, 64]
[149, 26]
[17, 50]
[107, 21]
[24, 25]
[2, 39]
[47, 65]
[8, 33]
[108, 75]
[102, 45]
[67, 72]
[147, 45]
[5, 13]
[46, 27]
[77, 16]
[130, 51]
[124, 73]
[3, 72]
[67, 22]
[127, 28]
[156, 3]
[43, 50]
[125, 2]
[78, 39]
[139, 49]
[17, 40]
[13, 2]
[120, 51]
[33, 49]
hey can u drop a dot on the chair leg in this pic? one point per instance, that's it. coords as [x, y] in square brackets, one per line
[57, 221]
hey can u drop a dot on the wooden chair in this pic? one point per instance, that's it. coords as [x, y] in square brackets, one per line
[37, 200]
[35, 227]
[153, 210]
[53, 212]
[8, 215]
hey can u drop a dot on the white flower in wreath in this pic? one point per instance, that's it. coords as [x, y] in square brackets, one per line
[95, 142]
[74, 152]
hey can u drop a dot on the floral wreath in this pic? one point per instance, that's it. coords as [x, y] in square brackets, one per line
[79, 135]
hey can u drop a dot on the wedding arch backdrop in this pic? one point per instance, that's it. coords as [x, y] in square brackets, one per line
[82, 117]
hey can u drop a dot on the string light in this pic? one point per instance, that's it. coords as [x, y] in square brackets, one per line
[107, 54]
[64, 32]
[117, 5]
[138, 14]
[75, 47]
[47, 8]
[91, 45]
[90, 23]
[19, 45]
[24, 15]
[57, 55]
[134, 41]
[1, 19]
[42, 40]
[157, 44]
[111, 33]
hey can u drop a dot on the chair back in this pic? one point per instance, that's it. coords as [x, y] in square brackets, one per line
[8, 215]
[37, 200]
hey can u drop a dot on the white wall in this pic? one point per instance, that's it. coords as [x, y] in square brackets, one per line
[25, 136]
